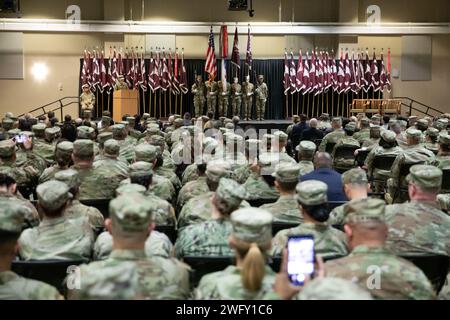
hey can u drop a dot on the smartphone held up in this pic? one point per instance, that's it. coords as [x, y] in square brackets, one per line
[301, 260]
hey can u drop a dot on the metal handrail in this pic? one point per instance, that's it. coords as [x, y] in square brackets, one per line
[413, 101]
[60, 108]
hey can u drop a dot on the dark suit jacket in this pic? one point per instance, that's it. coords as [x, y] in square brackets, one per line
[333, 180]
[312, 134]
[297, 131]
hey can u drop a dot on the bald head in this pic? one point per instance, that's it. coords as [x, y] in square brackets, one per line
[313, 123]
[323, 160]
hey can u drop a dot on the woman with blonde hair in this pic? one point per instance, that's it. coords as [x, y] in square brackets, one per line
[251, 277]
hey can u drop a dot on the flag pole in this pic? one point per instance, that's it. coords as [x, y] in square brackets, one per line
[292, 104]
[160, 111]
[332, 103]
[96, 101]
[314, 101]
[287, 105]
[170, 100]
[307, 106]
[176, 104]
[322, 103]
[181, 103]
[298, 99]
[154, 102]
[327, 102]
[165, 103]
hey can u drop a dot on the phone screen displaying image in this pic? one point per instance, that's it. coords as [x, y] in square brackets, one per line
[20, 138]
[300, 258]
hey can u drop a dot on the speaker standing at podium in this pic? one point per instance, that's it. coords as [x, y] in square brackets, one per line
[87, 101]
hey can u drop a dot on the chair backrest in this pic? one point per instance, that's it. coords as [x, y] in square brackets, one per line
[345, 151]
[383, 162]
[334, 204]
[52, 272]
[169, 231]
[205, 265]
[101, 204]
[329, 147]
[361, 157]
[278, 226]
[445, 180]
[275, 262]
[435, 267]
[318, 142]
[404, 168]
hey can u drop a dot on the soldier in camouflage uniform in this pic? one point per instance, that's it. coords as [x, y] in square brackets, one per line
[74, 208]
[346, 141]
[387, 146]
[285, 209]
[364, 133]
[441, 124]
[224, 94]
[8, 193]
[306, 150]
[295, 120]
[312, 198]
[127, 273]
[366, 232]
[198, 90]
[13, 286]
[356, 187]
[374, 138]
[63, 158]
[87, 133]
[97, 182]
[333, 289]
[26, 172]
[262, 94]
[236, 97]
[250, 278]
[419, 227]
[442, 161]
[414, 154]
[56, 237]
[157, 244]
[210, 238]
[279, 147]
[334, 136]
[431, 140]
[111, 162]
[7, 124]
[87, 100]
[211, 94]
[193, 188]
[126, 148]
[199, 208]
[247, 102]
[44, 142]
[158, 141]
[260, 183]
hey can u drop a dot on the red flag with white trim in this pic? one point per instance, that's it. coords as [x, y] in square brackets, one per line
[334, 73]
[143, 81]
[183, 78]
[95, 71]
[292, 75]
[175, 82]
[306, 88]
[388, 76]
[85, 75]
[165, 74]
[249, 57]
[103, 83]
[341, 74]
[347, 76]
[287, 79]
[375, 73]
[312, 73]
[299, 73]
[235, 58]
[367, 74]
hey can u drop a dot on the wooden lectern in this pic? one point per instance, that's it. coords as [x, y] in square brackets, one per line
[125, 102]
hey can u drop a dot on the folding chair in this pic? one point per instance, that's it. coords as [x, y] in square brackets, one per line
[204, 265]
[169, 231]
[101, 204]
[278, 226]
[435, 267]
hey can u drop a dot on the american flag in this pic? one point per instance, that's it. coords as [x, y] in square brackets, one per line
[211, 63]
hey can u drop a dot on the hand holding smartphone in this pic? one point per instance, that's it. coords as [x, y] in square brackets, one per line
[301, 255]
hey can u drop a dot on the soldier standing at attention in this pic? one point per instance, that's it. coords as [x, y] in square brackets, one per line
[366, 232]
[13, 286]
[224, 93]
[262, 93]
[236, 97]
[198, 90]
[87, 100]
[128, 273]
[211, 95]
[247, 92]
[250, 278]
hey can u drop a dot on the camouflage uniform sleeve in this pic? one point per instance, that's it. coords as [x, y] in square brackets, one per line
[26, 240]
[323, 144]
[369, 162]
[395, 173]
[96, 219]
[43, 291]
[103, 246]
[336, 216]
[206, 289]
[183, 241]
[279, 243]
[158, 244]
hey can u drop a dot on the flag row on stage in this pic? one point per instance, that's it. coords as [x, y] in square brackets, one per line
[320, 72]
[166, 72]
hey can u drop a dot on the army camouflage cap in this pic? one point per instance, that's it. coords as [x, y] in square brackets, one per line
[7, 148]
[145, 152]
[85, 132]
[13, 132]
[432, 132]
[281, 136]
[231, 192]
[351, 126]
[312, 193]
[444, 139]
[355, 176]
[216, 169]
[411, 132]
[64, 149]
[118, 129]
[253, 225]
[157, 140]
[130, 188]
[287, 172]
[106, 120]
[388, 136]
[375, 128]
[365, 121]
[178, 122]
[69, 177]
[39, 128]
[330, 288]
[12, 216]
[52, 132]
[132, 212]
[104, 136]
[83, 148]
[52, 195]
[423, 123]
[7, 123]
[145, 116]
[425, 176]
[306, 145]
[364, 210]
[337, 121]
[131, 120]
[229, 125]
[141, 168]
[112, 147]
[443, 122]
[295, 118]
